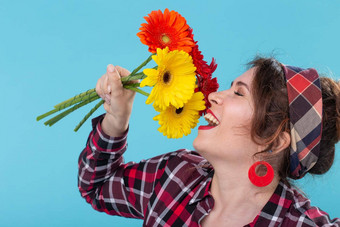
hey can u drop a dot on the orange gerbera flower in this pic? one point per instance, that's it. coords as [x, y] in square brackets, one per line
[168, 29]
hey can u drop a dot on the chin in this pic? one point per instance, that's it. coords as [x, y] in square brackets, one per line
[195, 145]
[201, 143]
[203, 147]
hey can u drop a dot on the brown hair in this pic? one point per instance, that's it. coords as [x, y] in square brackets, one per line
[271, 116]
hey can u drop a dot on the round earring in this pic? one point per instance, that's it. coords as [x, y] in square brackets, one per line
[261, 181]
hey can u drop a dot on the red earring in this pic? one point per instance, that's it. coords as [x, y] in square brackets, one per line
[261, 181]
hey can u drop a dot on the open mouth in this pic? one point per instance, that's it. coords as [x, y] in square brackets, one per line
[211, 119]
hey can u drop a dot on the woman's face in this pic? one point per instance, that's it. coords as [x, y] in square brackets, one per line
[228, 134]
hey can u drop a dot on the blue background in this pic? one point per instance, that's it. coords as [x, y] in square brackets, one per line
[52, 50]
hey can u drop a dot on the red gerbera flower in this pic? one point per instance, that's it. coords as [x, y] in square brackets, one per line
[168, 29]
[205, 83]
[206, 86]
[202, 68]
[212, 66]
[197, 58]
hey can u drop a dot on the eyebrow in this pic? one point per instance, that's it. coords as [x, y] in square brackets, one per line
[240, 83]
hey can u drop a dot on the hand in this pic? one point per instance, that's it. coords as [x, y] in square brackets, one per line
[118, 100]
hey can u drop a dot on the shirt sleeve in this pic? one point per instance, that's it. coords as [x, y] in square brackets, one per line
[107, 183]
[321, 218]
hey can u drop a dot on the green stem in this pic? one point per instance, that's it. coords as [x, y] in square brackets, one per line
[47, 114]
[142, 65]
[137, 90]
[91, 95]
[77, 100]
[138, 76]
[75, 97]
[70, 110]
[127, 86]
[88, 115]
[128, 78]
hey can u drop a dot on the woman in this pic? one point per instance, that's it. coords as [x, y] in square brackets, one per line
[275, 122]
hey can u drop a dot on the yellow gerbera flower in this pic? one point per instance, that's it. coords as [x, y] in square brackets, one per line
[173, 80]
[176, 122]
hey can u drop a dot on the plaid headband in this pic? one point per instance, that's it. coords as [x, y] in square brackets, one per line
[305, 109]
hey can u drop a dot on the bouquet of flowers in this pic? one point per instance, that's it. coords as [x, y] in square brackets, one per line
[181, 81]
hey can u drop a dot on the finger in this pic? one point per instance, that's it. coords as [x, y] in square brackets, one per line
[122, 71]
[122, 90]
[106, 89]
[107, 107]
[130, 93]
[99, 85]
[107, 83]
[115, 82]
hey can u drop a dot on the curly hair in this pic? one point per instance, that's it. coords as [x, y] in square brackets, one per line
[271, 116]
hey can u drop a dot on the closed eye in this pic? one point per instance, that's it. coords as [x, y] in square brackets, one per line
[237, 93]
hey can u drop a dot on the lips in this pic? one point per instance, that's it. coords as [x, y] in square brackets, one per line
[205, 127]
[211, 118]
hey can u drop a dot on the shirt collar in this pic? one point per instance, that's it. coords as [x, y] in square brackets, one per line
[277, 206]
[203, 188]
[274, 210]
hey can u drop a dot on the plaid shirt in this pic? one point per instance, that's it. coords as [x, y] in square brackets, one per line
[172, 189]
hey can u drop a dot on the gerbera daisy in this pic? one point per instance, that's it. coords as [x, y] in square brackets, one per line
[166, 30]
[197, 57]
[176, 122]
[206, 86]
[203, 68]
[173, 80]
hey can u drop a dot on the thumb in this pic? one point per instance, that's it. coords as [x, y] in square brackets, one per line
[122, 71]
[114, 78]
[110, 69]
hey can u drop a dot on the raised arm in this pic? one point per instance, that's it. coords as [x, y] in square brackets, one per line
[104, 180]
[111, 186]
[118, 101]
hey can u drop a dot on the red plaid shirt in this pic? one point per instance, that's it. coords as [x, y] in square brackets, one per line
[172, 189]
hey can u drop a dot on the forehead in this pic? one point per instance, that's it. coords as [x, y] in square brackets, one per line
[247, 76]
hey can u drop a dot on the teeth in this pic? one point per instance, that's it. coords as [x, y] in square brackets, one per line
[211, 119]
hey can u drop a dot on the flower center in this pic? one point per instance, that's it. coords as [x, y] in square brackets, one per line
[179, 110]
[165, 39]
[166, 77]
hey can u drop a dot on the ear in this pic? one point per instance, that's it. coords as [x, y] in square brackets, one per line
[282, 142]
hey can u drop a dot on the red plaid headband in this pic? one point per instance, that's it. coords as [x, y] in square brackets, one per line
[305, 110]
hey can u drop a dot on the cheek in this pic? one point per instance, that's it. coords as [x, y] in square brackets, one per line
[240, 113]
[236, 121]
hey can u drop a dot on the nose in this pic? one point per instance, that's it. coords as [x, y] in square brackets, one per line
[215, 98]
